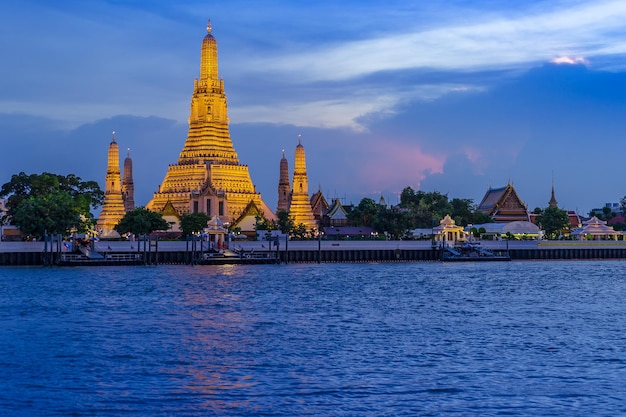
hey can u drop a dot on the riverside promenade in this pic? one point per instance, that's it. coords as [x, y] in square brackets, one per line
[178, 252]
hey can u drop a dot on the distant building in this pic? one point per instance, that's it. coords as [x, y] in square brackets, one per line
[319, 205]
[337, 215]
[128, 185]
[612, 208]
[503, 205]
[7, 230]
[595, 229]
[284, 187]
[113, 208]
[448, 231]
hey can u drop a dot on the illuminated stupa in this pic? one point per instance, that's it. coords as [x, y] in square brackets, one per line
[300, 208]
[208, 176]
[113, 208]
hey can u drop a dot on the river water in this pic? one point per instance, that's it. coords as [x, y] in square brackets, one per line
[388, 339]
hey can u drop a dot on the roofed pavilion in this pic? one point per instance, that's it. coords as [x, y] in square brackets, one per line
[595, 229]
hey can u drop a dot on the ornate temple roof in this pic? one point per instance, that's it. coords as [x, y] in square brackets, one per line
[503, 205]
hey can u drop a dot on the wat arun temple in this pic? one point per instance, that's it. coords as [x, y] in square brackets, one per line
[208, 176]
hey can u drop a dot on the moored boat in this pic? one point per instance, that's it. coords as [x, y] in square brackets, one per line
[472, 252]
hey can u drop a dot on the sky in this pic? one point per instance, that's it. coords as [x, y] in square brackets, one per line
[453, 96]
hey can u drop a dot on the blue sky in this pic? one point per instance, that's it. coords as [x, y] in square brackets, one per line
[450, 96]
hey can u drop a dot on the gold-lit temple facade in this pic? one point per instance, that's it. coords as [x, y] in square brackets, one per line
[300, 208]
[113, 207]
[208, 176]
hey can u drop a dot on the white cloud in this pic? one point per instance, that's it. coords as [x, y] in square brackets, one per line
[499, 43]
[342, 111]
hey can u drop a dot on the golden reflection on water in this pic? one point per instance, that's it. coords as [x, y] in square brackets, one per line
[221, 319]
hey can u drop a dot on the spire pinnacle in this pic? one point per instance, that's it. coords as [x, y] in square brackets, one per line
[129, 152]
[299, 139]
[209, 27]
[113, 139]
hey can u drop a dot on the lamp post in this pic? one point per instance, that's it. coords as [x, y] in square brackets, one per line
[319, 246]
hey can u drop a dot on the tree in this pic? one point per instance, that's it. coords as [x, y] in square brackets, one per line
[53, 214]
[364, 214]
[300, 231]
[50, 203]
[193, 222]
[141, 221]
[478, 217]
[394, 220]
[285, 222]
[462, 210]
[424, 207]
[553, 220]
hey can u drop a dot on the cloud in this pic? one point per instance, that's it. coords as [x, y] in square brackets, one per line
[570, 60]
[498, 42]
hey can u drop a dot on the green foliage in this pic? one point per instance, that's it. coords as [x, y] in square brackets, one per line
[364, 214]
[416, 210]
[193, 223]
[264, 224]
[50, 203]
[424, 207]
[300, 232]
[479, 217]
[285, 222]
[55, 213]
[553, 221]
[462, 210]
[394, 220]
[141, 221]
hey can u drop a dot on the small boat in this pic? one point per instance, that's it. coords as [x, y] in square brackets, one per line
[472, 252]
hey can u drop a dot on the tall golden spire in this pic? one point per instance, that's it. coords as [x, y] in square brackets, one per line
[300, 207]
[113, 207]
[208, 56]
[208, 176]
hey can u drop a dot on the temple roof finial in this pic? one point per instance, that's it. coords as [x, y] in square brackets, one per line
[299, 139]
[129, 152]
[113, 139]
[209, 27]
[283, 153]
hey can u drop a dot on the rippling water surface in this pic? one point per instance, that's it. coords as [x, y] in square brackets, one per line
[400, 339]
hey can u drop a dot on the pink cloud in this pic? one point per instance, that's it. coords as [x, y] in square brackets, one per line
[390, 165]
[569, 60]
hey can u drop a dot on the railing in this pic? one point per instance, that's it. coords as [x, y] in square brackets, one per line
[113, 257]
[123, 257]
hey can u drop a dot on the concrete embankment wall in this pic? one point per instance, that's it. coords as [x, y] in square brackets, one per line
[348, 255]
[21, 258]
[391, 255]
[568, 253]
